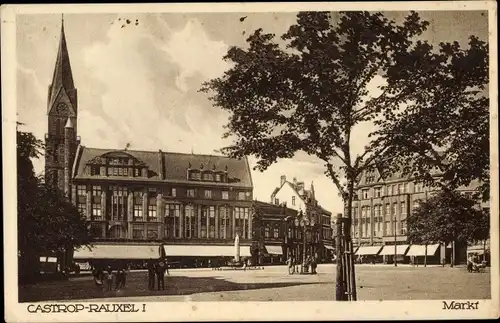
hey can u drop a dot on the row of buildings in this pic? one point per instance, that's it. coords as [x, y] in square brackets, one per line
[193, 205]
[380, 209]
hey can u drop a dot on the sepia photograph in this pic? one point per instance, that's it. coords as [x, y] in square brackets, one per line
[230, 153]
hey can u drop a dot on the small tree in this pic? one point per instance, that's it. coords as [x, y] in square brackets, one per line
[448, 217]
[47, 222]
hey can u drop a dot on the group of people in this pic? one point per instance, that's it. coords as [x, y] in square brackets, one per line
[474, 264]
[310, 263]
[105, 276]
[157, 269]
[119, 277]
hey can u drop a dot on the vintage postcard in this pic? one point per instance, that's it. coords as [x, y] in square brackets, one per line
[250, 161]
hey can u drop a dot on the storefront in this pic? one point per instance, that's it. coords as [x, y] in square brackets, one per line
[390, 252]
[274, 254]
[368, 254]
[107, 254]
[188, 256]
[424, 254]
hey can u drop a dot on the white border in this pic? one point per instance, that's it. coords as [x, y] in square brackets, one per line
[205, 311]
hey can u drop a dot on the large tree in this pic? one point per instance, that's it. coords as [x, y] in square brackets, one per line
[448, 217]
[48, 224]
[309, 94]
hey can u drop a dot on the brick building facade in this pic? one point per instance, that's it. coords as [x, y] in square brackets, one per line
[380, 210]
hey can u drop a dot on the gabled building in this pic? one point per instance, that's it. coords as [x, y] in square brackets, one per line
[295, 196]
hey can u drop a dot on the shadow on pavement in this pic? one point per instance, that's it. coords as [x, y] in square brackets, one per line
[137, 286]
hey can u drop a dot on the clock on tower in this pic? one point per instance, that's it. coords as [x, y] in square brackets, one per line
[61, 108]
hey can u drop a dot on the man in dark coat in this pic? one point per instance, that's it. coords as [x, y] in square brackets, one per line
[151, 275]
[160, 273]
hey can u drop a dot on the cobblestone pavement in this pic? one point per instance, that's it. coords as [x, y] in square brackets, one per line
[374, 282]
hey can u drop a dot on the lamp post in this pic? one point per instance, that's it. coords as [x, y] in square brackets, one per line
[306, 226]
[395, 245]
[302, 224]
[296, 241]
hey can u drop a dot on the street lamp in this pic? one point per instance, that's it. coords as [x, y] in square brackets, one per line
[395, 244]
[306, 225]
[296, 242]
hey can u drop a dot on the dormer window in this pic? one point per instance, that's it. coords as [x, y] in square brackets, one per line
[195, 175]
[208, 177]
[217, 177]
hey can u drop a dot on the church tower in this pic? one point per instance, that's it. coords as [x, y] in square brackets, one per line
[62, 109]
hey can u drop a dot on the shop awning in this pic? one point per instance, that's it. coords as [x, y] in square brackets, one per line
[478, 248]
[388, 250]
[419, 250]
[368, 250]
[329, 247]
[274, 250]
[204, 251]
[115, 251]
[477, 252]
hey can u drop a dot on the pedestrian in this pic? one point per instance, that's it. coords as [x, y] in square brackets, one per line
[166, 267]
[289, 262]
[121, 278]
[124, 277]
[109, 279]
[151, 275]
[470, 263]
[160, 273]
[118, 280]
[314, 264]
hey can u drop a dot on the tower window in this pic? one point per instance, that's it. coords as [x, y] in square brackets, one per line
[58, 126]
[55, 153]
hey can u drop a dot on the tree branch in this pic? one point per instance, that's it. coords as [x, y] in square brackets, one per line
[334, 176]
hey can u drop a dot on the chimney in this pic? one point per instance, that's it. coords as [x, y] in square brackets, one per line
[160, 164]
[313, 195]
[295, 181]
[282, 180]
[300, 187]
[188, 171]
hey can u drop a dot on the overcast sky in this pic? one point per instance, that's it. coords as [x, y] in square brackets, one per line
[139, 83]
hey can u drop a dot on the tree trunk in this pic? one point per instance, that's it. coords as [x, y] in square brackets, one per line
[484, 250]
[346, 275]
[339, 284]
[348, 241]
[425, 256]
[452, 254]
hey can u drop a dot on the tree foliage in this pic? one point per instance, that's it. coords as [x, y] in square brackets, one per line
[47, 222]
[446, 217]
[445, 129]
[308, 95]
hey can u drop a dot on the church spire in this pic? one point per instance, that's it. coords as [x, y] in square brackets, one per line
[63, 77]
